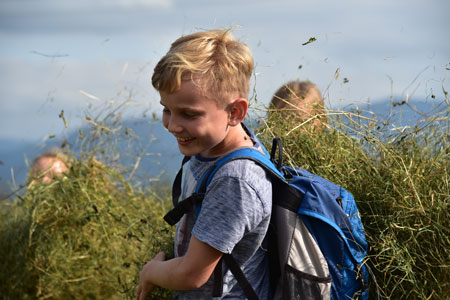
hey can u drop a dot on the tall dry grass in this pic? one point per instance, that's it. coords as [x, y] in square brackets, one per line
[400, 179]
[84, 236]
[87, 235]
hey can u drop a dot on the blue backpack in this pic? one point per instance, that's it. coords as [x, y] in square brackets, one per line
[316, 241]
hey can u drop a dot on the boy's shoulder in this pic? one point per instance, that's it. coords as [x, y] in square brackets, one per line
[240, 168]
[243, 169]
[232, 174]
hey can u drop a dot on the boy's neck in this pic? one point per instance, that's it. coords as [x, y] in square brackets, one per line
[236, 138]
[240, 137]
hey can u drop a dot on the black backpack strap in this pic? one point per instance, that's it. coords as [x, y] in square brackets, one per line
[183, 207]
[277, 145]
[176, 186]
[218, 280]
[175, 214]
[240, 277]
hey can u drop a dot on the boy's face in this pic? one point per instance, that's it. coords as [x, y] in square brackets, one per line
[199, 124]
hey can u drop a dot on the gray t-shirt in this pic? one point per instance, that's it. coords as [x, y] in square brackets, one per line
[234, 217]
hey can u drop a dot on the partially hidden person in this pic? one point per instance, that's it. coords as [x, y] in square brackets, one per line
[300, 101]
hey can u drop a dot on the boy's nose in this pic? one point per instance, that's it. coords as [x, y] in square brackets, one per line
[173, 125]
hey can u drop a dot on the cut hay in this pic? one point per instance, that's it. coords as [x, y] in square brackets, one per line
[84, 236]
[400, 180]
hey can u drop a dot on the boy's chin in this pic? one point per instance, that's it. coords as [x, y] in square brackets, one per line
[187, 152]
[193, 151]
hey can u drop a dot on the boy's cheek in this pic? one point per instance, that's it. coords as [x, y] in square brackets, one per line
[165, 121]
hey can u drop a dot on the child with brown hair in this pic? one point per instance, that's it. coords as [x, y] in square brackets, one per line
[300, 100]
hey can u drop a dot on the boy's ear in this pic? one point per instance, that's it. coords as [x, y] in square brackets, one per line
[237, 111]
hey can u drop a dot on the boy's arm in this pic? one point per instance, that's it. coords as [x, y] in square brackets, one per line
[181, 273]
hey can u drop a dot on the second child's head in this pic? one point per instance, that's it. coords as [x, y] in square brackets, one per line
[204, 82]
[302, 101]
[47, 166]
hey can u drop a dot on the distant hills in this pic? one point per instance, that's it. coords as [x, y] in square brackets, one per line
[160, 155]
[402, 113]
[162, 158]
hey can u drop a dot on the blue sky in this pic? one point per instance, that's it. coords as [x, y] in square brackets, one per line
[75, 54]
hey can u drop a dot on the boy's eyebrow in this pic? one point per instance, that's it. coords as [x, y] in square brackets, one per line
[184, 108]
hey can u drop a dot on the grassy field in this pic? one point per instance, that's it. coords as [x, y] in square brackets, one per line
[400, 179]
[87, 235]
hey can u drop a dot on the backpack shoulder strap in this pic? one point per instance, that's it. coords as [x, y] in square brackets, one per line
[243, 153]
[176, 186]
[174, 215]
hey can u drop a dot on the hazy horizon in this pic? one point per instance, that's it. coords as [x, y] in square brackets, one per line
[69, 55]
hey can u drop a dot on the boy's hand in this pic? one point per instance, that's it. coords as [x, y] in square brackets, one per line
[146, 287]
[186, 272]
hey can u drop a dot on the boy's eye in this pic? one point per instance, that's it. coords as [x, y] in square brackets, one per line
[166, 111]
[190, 115]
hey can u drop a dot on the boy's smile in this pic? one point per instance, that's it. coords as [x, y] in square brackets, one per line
[199, 123]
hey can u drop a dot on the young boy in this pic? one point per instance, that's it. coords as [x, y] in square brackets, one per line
[203, 82]
[302, 101]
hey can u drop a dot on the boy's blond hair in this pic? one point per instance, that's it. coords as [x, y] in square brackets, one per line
[300, 97]
[223, 64]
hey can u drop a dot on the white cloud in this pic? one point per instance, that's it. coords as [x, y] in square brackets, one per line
[147, 3]
[367, 41]
[55, 5]
[32, 95]
[72, 16]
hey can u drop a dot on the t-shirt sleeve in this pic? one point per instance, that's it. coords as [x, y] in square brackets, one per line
[231, 208]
